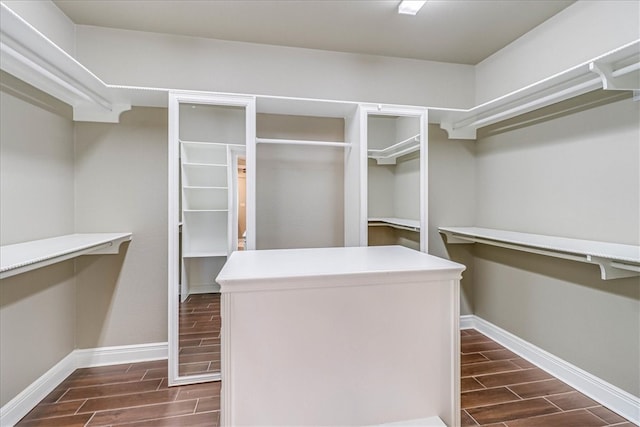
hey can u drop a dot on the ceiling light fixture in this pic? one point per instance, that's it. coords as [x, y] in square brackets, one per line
[410, 7]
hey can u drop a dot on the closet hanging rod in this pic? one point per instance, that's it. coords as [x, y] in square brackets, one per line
[302, 142]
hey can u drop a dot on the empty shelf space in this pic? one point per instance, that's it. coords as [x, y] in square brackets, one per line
[302, 142]
[615, 260]
[22, 257]
[400, 223]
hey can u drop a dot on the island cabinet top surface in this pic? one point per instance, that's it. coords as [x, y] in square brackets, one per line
[349, 265]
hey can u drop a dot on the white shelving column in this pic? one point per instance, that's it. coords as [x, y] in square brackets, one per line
[207, 135]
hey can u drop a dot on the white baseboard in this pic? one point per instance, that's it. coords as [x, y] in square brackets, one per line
[27, 399]
[614, 398]
[120, 354]
[14, 410]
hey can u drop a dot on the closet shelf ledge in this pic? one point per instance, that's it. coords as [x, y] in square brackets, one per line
[614, 259]
[399, 223]
[22, 257]
[302, 142]
[390, 154]
[618, 69]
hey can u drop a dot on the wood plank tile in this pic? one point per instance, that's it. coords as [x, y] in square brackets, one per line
[129, 400]
[580, 418]
[153, 364]
[110, 390]
[572, 400]
[512, 410]
[470, 339]
[469, 384]
[143, 413]
[480, 347]
[605, 414]
[515, 377]
[69, 421]
[502, 354]
[207, 419]
[540, 388]
[465, 359]
[208, 404]
[524, 364]
[196, 391]
[491, 367]
[89, 380]
[54, 410]
[466, 420]
[485, 397]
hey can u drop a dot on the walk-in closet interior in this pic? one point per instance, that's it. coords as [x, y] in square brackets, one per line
[263, 212]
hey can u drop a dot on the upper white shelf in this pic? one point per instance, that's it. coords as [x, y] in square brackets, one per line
[390, 154]
[30, 56]
[22, 257]
[618, 69]
[302, 142]
[399, 223]
[615, 260]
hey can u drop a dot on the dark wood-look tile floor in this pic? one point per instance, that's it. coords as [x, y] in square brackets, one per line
[499, 389]
[199, 335]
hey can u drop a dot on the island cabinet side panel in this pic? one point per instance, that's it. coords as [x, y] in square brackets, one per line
[341, 355]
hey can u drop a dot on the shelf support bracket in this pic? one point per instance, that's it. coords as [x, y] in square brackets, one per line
[466, 132]
[610, 269]
[627, 81]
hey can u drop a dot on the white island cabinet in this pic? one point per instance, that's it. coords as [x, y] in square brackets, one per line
[339, 336]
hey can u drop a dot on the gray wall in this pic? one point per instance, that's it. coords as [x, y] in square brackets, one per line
[452, 201]
[37, 308]
[121, 185]
[579, 33]
[159, 60]
[575, 176]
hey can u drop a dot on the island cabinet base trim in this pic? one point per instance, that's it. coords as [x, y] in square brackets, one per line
[603, 392]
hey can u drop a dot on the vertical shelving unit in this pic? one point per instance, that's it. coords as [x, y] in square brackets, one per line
[208, 136]
[208, 133]
[395, 141]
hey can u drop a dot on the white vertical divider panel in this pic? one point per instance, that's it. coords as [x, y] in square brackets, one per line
[352, 180]
[391, 110]
[173, 258]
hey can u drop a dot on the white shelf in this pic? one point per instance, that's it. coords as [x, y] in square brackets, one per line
[204, 153]
[390, 154]
[302, 142]
[399, 223]
[205, 198]
[23, 257]
[618, 69]
[615, 260]
[212, 254]
[30, 56]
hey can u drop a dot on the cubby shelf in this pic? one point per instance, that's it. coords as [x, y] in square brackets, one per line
[399, 223]
[618, 69]
[302, 142]
[22, 257]
[210, 254]
[615, 260]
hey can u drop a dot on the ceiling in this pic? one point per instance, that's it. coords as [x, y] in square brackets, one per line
[457, 31]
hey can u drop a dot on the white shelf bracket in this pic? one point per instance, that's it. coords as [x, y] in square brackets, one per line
[89, 114]
[610, 269]
[111, 248]
[467, 132]
[610, 81]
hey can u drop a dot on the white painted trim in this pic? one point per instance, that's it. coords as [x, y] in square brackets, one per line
[27, 399]
[14, 410]
[619, 401]
[103, 356]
